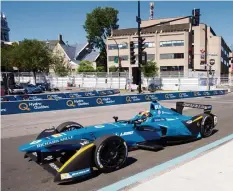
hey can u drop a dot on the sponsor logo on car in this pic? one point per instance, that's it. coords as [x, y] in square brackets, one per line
[198, 106]
[84, 142]
[58, 135]
[164, 112]
[65, 176]
[80, 172]
[99, 126]
[124, 133]
[54, 141]
[35, 142]
[54, 166]
[158, 119]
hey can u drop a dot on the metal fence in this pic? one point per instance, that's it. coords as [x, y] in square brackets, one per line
[103, 80]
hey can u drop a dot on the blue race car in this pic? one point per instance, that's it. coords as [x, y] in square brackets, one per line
[71, 151]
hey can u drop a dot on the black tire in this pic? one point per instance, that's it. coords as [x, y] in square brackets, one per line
[207, 125]
[108, 157]
[68, 126]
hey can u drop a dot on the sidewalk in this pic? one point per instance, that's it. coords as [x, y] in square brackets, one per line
[213, 171]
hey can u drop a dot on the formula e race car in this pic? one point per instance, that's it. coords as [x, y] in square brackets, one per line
[71, 151]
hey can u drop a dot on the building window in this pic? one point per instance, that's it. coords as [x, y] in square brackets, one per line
[222, 59]
[172, 56]
[171, 68]
[147, 44]
[150, 56]
[225, 52]
[171, 43]
[114, 46]
[123, 57]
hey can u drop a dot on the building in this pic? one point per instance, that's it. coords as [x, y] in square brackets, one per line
[73, 54]
[177, 47]
[5, 39]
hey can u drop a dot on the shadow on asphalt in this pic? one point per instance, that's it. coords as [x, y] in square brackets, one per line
[96, 173]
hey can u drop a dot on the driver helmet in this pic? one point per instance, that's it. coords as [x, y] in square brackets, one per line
[144, 114]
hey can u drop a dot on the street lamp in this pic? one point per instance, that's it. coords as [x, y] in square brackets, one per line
[118, 56]
[118, 51]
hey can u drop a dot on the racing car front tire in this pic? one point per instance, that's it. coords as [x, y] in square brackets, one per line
[110, 153]
[68, 126]
[207, 125]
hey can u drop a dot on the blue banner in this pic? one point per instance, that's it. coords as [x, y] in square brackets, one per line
[57, 96]
[58, 102]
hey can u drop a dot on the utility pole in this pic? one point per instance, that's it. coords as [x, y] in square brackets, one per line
[139, 50]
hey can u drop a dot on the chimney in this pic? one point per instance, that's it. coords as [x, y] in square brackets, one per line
[60, 38]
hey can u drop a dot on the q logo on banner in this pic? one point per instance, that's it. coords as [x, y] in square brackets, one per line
[24, 107]
[147, 98]
[99, 101]
[167, 96]
[52, 97]
[49, 97]
[196, 93]
[180, 94]
[70, 103]
[128, 99]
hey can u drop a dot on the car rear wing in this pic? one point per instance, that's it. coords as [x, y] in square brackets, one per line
[180, 106]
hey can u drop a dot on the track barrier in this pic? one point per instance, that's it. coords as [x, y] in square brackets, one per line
[61, 102]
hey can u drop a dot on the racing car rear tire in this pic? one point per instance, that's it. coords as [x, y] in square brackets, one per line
[207, 125]
[110, 153]
[68, 126]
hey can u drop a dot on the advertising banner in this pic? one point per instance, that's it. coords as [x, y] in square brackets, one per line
[56, 102]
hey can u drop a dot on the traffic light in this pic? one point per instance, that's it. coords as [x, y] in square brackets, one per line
[196, 17]
[141, 44]
[132, 54]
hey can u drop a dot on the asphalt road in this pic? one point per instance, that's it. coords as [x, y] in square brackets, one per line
[21, 175]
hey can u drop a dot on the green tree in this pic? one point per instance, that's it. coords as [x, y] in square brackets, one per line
[98, 26]
[100, 69]
[112, 69]
[85, 66]
[150, 69]
[31, 55]
[6, 63]
[60, 68]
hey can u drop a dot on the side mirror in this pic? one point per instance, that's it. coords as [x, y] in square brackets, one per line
[116, 118]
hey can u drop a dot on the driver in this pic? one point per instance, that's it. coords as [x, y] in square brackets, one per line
[143, 116]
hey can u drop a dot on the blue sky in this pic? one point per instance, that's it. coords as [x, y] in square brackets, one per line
[45, 20]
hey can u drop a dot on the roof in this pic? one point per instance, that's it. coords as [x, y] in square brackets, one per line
[153, 29]
[92, 56]
[52, 43]
[74, 51]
